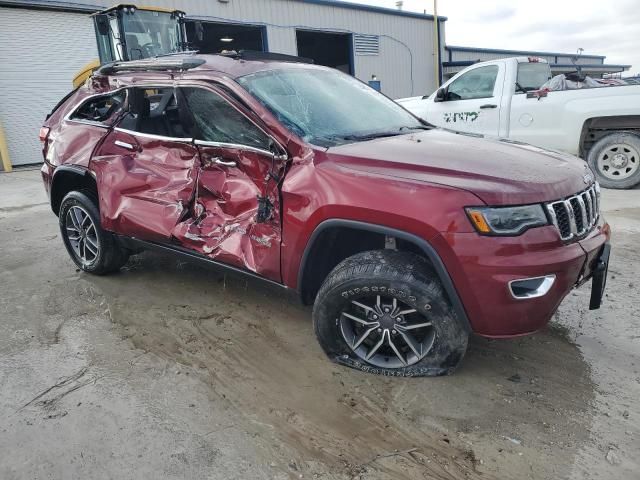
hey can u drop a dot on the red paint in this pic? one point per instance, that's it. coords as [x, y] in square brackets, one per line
[173, 191]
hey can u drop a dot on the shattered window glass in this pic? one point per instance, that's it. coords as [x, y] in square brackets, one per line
[217, 121]
[326, 107]
[477, 83]
[100, 109]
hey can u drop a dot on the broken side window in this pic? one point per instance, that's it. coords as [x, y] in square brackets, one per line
[101, 109]
[155, 111]
[218, 121]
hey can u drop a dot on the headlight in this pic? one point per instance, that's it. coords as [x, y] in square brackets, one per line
[506, 220]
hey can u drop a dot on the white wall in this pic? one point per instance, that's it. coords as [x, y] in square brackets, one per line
[39, 53]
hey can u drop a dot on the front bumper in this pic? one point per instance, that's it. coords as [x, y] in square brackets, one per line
[482, 267]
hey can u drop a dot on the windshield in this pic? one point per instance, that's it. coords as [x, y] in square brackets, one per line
[327, 107]
[531, 76]
[149, 34]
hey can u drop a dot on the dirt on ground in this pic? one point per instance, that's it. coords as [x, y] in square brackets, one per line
[170, 370]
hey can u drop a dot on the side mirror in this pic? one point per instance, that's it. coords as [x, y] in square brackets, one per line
[441, 95]
[102, 24]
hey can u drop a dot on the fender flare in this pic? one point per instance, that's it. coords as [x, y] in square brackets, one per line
[72, 169]
[428, 250]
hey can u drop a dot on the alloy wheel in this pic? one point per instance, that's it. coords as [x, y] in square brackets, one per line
[82, 235]
[385, 332]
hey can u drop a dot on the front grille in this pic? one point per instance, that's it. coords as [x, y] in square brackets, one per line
[575, 216]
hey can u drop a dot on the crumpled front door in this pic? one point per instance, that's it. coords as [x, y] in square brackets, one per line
[235, 216]
[236, 212]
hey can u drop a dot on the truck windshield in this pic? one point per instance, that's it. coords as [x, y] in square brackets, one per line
[531, 76]
[149, 33]
[327, 107]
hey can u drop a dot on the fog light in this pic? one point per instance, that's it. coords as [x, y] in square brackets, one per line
[531, 287]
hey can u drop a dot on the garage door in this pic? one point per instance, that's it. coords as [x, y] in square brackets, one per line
[40, 51]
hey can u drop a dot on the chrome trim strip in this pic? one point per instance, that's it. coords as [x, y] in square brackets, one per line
[126, 145]
[542, 290]
[583, 212]
[205, 143]
[88, 122]
[152, 136]
[572, 217]
[587, 196]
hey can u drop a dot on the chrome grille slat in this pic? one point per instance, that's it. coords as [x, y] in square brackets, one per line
[576, 215]
[587, 200]
[572, 217]
[583, 214]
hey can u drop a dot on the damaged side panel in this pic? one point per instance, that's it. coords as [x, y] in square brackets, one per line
[224, 223]
[146, 185]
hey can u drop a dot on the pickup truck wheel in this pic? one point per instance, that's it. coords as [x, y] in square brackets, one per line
[615, 159]
[385, 312]
[91, 248]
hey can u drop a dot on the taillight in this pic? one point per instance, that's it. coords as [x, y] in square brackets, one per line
[44, 133]
[44, 137]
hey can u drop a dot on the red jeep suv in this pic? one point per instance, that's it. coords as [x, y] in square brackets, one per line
[404, 237]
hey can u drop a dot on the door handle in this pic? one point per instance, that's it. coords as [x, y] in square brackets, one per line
[489, 105]
[225, 163]
[126, 145]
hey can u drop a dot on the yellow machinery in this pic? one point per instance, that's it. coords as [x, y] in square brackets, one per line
[128, 32]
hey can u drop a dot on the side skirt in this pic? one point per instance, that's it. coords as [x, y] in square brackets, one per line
[137, 244]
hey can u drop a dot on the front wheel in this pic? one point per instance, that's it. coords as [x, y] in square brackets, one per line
[92, 249]
[385, 312]
[615, 159]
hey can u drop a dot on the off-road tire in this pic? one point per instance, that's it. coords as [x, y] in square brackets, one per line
[630, 139]
[110, 255]
[405, 276]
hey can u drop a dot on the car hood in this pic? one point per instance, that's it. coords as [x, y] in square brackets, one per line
[499, 172]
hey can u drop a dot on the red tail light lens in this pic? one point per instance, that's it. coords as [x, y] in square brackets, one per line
[44, 133]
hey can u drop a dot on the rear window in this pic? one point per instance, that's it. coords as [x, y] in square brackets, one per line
[531, 76]
[100, 109]
[62, 102]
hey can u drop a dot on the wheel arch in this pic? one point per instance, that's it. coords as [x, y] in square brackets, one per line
[314, 267]
[67, 178]
[595, 128]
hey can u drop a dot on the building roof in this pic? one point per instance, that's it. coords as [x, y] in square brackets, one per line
[517, 52]
[371, 8]
[79, 6]
[67, 6]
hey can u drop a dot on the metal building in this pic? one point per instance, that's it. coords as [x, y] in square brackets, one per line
[43, 43]
[458, 58]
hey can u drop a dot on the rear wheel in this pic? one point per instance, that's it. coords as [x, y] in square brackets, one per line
[615, 159]
[385, 312]
[91, 248]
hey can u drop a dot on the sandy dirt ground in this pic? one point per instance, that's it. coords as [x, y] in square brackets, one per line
[169, 370]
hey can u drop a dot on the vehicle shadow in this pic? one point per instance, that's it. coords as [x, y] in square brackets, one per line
[513, 407]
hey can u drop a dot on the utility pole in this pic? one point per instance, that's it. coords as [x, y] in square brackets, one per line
[436, 44]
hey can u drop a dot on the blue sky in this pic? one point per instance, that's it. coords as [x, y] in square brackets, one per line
[600, 27]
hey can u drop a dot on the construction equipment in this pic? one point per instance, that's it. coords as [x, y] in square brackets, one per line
[129, 32]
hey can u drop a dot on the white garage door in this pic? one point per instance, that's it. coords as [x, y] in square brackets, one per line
[40, 51]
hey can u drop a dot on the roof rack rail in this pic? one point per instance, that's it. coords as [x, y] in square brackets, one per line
[159, 64]
[258, 55]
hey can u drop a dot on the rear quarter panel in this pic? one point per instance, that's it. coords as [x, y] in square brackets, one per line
[556, 121]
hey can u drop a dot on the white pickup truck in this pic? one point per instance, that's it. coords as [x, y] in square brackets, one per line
[502, 98]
